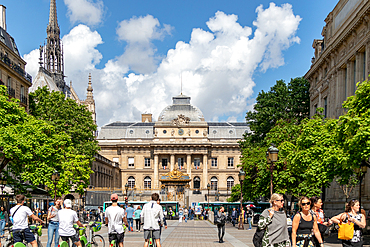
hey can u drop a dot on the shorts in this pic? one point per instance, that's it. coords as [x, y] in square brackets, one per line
[19, 235]
[75, 238]
[156, 234]
[119, 237]
[348, 243]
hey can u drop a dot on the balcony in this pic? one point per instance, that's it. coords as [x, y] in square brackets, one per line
[15, 67]
[24, 99]
[11, 92]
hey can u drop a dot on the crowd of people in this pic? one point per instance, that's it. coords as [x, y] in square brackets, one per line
[309, 224]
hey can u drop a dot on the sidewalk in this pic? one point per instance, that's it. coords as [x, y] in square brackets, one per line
[197, 233]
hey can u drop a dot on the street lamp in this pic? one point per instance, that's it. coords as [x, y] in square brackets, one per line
[55, 178]
[126, 187]
[361, 171]
[241, 176]
[272, 157]
[208, 188]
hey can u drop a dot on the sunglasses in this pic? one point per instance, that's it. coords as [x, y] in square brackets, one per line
[280, 200]
[306, 203]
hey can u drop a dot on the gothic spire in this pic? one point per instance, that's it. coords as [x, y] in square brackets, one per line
[90, 96]
[53, 51]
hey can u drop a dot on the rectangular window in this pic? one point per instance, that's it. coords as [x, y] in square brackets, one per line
[147, 162]
[180, 163]
[164, 163]
[326, 107]
[9, 83]
[116, 159]
[230, 162]
[22, 90]
[213, 162]
[131, 162]
[314, 109]
[197, 163]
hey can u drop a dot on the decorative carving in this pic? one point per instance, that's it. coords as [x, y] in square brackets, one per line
[189, 132]
[169, 196]
[156, 132]
[205, 132]
[175, 174]
[181, 120]
[172, 132]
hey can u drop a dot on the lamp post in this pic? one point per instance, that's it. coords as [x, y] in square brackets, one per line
[55, 178]
[126, 187]
[208, 188]
[361, 171]
[272, 157]
[241, 179]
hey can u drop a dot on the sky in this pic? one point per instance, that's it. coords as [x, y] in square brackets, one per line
[139, 53]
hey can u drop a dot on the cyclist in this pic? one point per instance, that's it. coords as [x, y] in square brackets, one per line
[151, 215]
[19, 215]
[66, 218]
[114, 215]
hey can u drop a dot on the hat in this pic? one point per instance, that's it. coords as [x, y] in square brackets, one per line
[68, 203]
[114, 197]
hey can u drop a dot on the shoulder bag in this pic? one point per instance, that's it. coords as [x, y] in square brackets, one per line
[346, 230]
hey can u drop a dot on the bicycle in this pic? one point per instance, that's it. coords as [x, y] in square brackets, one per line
[114, 243]
[36, 231]
[152, 242]
[95, 240]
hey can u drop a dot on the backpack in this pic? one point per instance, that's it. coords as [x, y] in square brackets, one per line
[258, 236]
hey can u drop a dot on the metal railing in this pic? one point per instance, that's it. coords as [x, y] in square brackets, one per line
[24, 99]
[15, 67]
[11, 92]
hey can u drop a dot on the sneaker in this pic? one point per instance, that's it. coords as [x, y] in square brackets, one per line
[137, 230]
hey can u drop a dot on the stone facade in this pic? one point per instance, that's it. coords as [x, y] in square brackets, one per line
[12, 66]
[341, 60]
[180, 140]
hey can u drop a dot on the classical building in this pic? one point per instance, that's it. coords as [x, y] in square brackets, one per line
[51, 70]
[12, 66]
[177, 156]
[341, 60]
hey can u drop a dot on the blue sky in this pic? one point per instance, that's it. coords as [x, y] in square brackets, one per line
[136, 51]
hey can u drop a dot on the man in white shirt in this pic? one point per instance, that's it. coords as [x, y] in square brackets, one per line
[66, 218]
[114, 218]
[152, 215]
[19, 214]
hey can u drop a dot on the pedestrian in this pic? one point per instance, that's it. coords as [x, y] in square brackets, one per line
[170, 213]
[234, 215]
[316, 203]
[53, 228]
[115, 216]
[137, 218]
[186, 214]
[221, 220]
[151, 216]
[3, 220]
[275, 224]
[181, 214]
[304, 224]
[241, 216]
[352, 214]
[98, 217]
[67, 217]
[249, 214]
[191, 213]
[19, 215]
[129, 214]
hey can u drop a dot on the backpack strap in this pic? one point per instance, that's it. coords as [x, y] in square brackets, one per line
[16, 210]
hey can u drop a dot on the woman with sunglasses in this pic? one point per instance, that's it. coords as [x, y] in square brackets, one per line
[352, 214]
[304, 223]
[274, 221]
[316, 204]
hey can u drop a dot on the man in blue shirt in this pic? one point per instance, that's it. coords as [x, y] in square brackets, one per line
[130, 212]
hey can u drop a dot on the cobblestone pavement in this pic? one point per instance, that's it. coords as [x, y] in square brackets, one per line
[196, 234]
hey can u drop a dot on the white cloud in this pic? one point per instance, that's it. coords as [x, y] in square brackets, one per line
[216, 65]
[85, 11]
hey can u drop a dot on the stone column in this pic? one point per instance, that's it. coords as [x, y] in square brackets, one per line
[358, 76]
[156, 181]
[172, 162]
[205, 171]
[188, 165]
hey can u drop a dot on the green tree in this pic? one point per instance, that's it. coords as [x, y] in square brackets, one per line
[32, 149]
[67, 117]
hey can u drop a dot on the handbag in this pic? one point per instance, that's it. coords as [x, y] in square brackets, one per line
[346, 230]
[324, 230]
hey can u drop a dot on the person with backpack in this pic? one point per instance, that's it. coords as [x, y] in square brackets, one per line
[220, 221]
[304, 223]
[352, 214]
[272, 229]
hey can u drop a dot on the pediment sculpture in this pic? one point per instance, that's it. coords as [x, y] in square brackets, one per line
[181, 120]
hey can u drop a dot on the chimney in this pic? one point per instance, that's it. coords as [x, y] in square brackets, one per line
[146, 117]
[3, 17]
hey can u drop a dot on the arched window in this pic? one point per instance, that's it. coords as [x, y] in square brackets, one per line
[147, 183]
[214, 183]
[230, 183]
[196, 182]
[131, 182]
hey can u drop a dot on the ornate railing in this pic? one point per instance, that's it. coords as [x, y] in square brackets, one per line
[24, 99]
[11, 92]
[15, 67]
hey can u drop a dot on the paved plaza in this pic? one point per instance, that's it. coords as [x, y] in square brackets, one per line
[196, 233]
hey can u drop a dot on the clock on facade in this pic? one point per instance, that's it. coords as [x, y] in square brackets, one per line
[181, 132]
